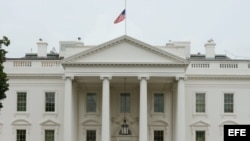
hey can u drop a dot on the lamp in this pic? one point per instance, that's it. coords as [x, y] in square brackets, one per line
[124, 127]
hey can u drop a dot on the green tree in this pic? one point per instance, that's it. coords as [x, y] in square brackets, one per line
[4, 86]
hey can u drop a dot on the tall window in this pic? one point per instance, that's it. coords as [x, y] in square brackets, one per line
[200, 136]
[159, 102]
[20, 135]
[49, 135]
[125, 103]
[228, 103]
[21, 101]
[50, 102]
[200, 102]
[91, 135]
[91, 102]
[158, 135]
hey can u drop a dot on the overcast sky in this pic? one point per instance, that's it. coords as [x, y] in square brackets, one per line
[155, 22]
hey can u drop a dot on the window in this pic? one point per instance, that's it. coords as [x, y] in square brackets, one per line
[21, 101]
[50, 102]
[200, 102]
[159, 102]
[91, 135]
[200, 136]
[91, 102]
[158, 135]
[125, 103]
[20, 135]
[228, 103]
[49, 135]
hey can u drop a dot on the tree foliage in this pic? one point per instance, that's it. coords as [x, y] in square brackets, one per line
[4, 86]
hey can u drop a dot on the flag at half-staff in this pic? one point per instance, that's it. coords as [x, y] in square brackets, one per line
[121, 17]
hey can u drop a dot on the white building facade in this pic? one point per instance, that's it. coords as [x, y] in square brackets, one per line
[86, 93]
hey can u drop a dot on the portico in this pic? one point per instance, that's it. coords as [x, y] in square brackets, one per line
[150, 73]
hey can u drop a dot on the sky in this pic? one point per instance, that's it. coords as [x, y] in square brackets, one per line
[155, 22]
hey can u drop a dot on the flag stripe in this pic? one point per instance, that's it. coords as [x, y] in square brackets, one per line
[121, 17]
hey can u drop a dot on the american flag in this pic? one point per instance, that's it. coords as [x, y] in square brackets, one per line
[121, 17]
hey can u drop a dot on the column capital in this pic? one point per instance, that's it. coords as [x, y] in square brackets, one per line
[102, 77]
[141, 77]
[71, 77]
[180, 78]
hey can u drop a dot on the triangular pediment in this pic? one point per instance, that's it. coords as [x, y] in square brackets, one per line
[200, 124]
[49, 123]
[124, 50]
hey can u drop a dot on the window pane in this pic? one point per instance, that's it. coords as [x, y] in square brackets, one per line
[21, 101]
[91, 135]
[91, 102]
[159, 102]
[200, 102]
[158, 135]
[50, 102]
[200, 136]
[49, 135]
[125, 103]
[228, 103]
[21, 135]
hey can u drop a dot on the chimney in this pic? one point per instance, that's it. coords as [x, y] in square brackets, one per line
[210, 49]
[42, 48]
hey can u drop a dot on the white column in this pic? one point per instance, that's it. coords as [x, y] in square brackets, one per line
[180, 129]
[68, 109]
[143, 122]
[105, 108]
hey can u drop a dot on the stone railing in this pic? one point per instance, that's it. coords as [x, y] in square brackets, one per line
[22, 63]
[220, 65]
[199, 65]
[28, 63]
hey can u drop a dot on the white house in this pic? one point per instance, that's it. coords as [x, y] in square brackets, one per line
[124, 90]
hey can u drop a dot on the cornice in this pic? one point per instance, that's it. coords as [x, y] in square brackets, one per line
[122, 64]
[35, 76]
[218, 77]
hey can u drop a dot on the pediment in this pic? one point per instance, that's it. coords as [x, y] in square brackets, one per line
[200, 124]
[160, 123]
[124, 50]
[49, 123]
[228, 122]
[21, 122]
[90, 122]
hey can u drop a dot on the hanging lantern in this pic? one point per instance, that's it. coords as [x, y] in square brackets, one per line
[124, 129]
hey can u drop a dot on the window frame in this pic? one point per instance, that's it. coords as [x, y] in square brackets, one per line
[91, 131]
[163, 127]
[46, 134]
[120, 103]
[96, 101]
[200, 126]
[16, 135]
[203, 131]
[153, 104]
[26, 101]
[50, 125]
[233, 102]
[205, 103]
[45, 102]
[158, 131]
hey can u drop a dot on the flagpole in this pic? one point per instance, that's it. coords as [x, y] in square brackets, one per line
[126, 17]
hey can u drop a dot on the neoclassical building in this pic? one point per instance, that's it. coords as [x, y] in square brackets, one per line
[124, 90]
